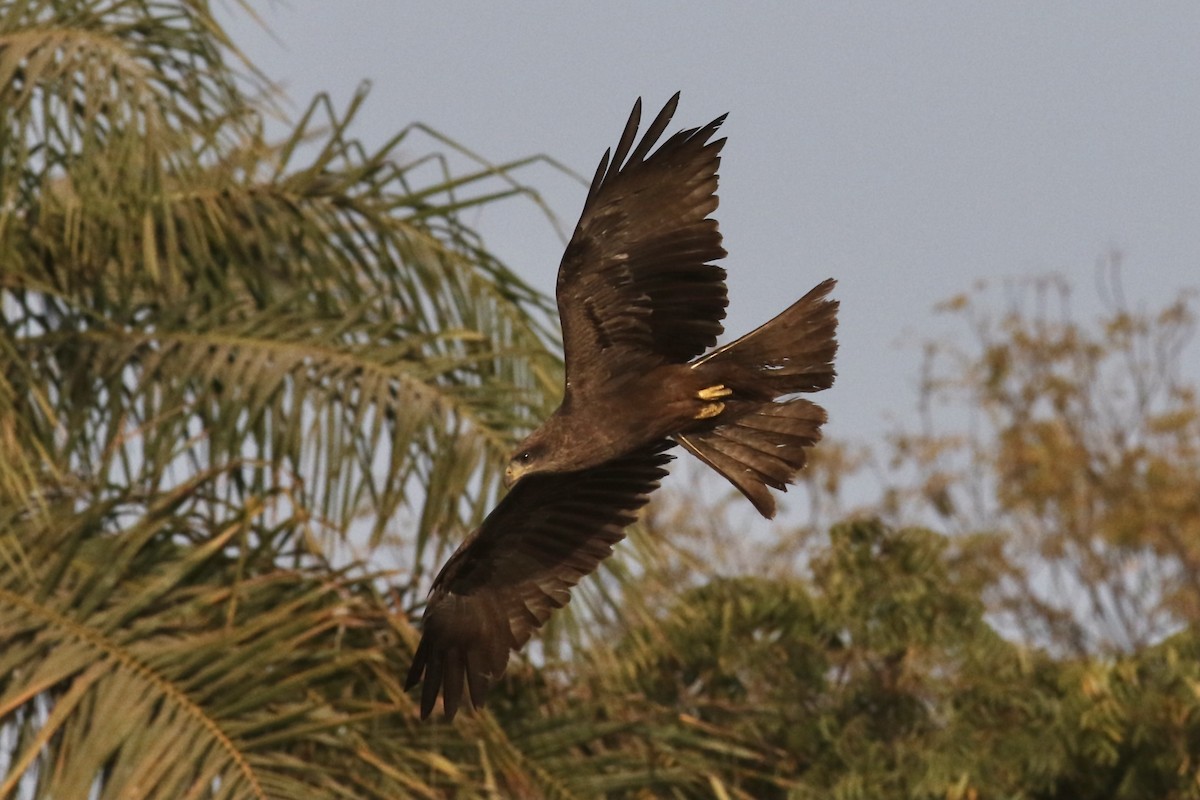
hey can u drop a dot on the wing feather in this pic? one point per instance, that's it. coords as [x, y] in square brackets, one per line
[507, 577]
[636, 286]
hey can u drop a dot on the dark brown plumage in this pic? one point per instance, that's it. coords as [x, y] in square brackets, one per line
[638, 298]
[508, 576]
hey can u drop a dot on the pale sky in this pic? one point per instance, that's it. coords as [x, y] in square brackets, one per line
[907, 150]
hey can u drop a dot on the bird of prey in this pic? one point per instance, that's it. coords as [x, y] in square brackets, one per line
[639, 300]
[507, 577]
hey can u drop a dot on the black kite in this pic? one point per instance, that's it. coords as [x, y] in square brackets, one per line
[638, 299]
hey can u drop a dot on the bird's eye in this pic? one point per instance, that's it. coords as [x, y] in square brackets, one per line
[525, 457]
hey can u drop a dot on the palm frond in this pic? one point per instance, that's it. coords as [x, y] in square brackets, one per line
[140, 657]
[197, 276]
[223, 360]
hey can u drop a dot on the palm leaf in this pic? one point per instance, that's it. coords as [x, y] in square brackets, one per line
[227, 365]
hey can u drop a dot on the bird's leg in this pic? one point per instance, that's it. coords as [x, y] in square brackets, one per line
[714, 392]
[710, 410]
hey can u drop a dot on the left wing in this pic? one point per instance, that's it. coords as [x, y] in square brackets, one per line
[636, 286]
[513, 571]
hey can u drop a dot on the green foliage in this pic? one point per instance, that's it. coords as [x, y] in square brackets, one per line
[1135, 722]
[881, 677]
[844, 685]
[179, 291]
[178, 656]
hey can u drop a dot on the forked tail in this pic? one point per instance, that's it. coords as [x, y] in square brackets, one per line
[761, 438]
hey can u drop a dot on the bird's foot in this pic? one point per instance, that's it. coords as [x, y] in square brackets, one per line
[710, 410]
[714, 393]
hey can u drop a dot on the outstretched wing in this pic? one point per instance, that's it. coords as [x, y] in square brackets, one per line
[508, 576]
[635, 286]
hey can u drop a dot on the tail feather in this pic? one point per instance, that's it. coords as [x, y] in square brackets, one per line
[766, 447]
[792, 353]
[760, 442]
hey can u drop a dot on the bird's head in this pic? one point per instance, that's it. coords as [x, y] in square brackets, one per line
[527, 459]
[560, 445]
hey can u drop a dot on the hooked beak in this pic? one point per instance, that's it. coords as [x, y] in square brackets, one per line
[514, 472]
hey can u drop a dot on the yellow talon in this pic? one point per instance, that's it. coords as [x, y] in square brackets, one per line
[713, 393]
[711, 410]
